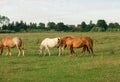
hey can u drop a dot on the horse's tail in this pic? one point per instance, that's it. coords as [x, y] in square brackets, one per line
[91, 43]
[22, 44]
[91, 47]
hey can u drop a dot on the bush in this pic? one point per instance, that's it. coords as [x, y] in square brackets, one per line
[97, 29]
[113, 30]
[7, 31]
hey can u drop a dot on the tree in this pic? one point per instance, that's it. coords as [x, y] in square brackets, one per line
[11, 26]
[83, 26]
[116, 25]
[41, 26]
[23, 26]
[51, 25]
[102, 24]
[60, 26]
[90, 26]
[4, 21]
[111, 25]
[32, 25]
[17, 26]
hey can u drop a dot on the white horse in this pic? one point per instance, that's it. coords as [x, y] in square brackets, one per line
[48, 43]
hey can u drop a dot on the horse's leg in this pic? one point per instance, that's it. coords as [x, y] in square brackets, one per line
[91, 51]
[19, 51]
[60, 51]
[23, 51]
[44, 51]
[21, 48]
[48, 50]
[71, 50]
[83, 50]
[7, 51]
[88, 50]
[63, 48]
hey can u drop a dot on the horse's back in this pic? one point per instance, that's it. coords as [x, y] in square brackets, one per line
[46, 40]
[88, 40]
[7, 41]
[72, 41]
[78, 42]
[67, 39]
[50, 42]
[11, 42]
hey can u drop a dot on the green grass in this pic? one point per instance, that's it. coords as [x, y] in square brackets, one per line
[104, 67]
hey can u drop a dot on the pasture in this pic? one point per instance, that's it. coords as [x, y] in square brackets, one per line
[103, 67]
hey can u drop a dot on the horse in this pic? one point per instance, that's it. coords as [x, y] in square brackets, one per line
[11, 43]
[72, 42]
[48, 43]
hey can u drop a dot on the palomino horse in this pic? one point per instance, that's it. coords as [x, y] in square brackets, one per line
[48, 43]
[72, 42]
[11, 43]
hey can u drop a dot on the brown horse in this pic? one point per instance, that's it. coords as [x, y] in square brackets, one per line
[11, 43]
[72, 42]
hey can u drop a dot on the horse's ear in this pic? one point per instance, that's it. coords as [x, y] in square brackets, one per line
[58, 38]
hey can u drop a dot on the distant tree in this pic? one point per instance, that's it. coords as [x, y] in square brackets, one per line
[83, 26]
[32, 25]
[4, 27]
[70, 28]
[117, 25]
[102, 24]
[90, 26]
[11, 26]
[111, 25]
[60, 26]
[4, 21]
[41, 26]
[51, 25]
[17, 27]
[67, 28]
[23, 25]
[97, 29]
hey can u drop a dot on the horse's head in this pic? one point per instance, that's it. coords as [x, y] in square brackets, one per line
[40, 50]
[1, 48]
[59, 42]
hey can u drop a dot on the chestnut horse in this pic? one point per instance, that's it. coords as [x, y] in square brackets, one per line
[11, 43]
[72, 42]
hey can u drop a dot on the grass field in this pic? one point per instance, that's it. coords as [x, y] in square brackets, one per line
[104, 67]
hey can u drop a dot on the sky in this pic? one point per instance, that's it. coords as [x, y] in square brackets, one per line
[66, 11]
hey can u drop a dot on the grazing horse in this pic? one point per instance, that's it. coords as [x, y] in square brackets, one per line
[11, 43]
[72, 42]
[48, 43]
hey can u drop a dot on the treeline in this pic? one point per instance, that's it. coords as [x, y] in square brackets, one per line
[21, 26]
